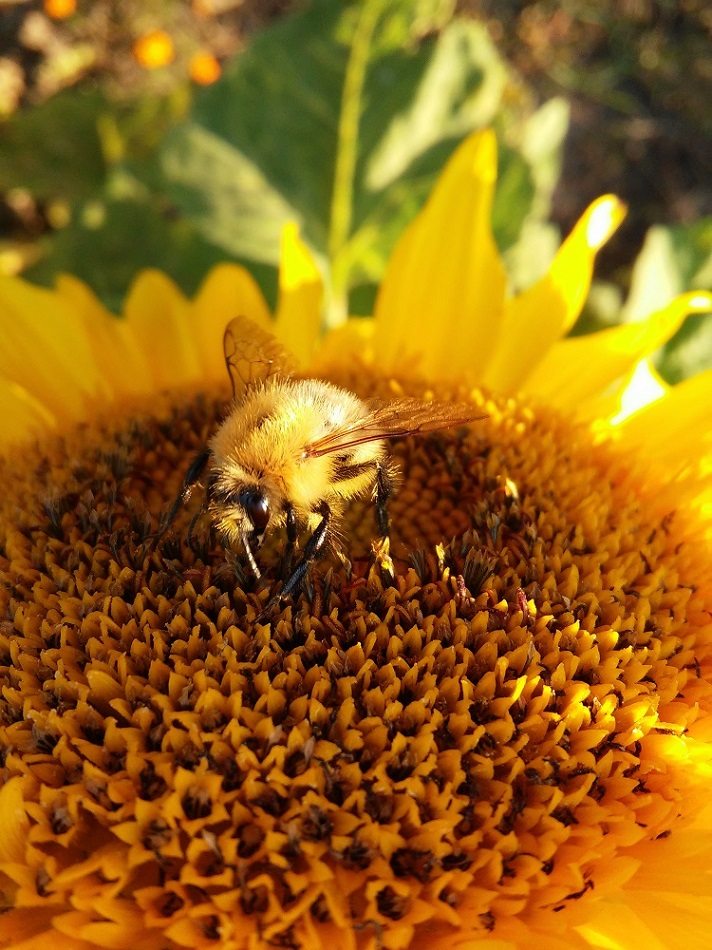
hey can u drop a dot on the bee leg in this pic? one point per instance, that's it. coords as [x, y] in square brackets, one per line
[244, 537]
[311, 552]
[193, 522]
[384, 491]
[195, 470]
[285, 566]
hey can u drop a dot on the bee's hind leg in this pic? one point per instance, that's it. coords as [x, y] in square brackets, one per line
[383, 492]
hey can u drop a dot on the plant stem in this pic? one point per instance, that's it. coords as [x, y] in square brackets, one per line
[346, 158]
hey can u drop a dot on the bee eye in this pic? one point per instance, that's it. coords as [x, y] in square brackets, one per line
[257, 508]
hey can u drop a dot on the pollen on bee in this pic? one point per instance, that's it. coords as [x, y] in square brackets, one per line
[381, 548]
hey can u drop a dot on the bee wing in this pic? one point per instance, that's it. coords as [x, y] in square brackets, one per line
[253, 355]
[395, 420]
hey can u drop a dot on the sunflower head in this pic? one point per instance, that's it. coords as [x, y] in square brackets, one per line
[494, 729]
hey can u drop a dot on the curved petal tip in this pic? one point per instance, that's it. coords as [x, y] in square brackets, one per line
[603, 217]
[698, 301]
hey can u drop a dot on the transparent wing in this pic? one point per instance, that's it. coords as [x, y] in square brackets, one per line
[395, 420]
[253, 355]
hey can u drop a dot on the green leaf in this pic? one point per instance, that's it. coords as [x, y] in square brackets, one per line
[339, 117]
[692, 247]
[224, 194]
[656, 277]
[452, 86]
[110, 241]
[675, 260]
[543, 136]
[672, 261]
[513, 198]
[528, 174]
[54, 149]
[690, 350]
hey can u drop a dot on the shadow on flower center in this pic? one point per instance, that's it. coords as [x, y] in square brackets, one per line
[393, 755]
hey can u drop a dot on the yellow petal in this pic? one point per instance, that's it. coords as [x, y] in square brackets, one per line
[617, 927]
[645, 920]
[14, 822]
[534, 320]
[580, 368]
[123, 364]
[691, 913]
[228, 291]
[30, 928]
[157, 316]
[300, 297]
[439, 308]
[43, 348]
[22, 414]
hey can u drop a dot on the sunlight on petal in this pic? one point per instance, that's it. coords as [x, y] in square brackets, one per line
[618, 927]
[644, 386]
[601, 220]
[656, 433]
[637, 389]
[646, 915]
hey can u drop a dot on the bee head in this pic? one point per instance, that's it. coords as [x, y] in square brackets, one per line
[256, 506]
[245, 506]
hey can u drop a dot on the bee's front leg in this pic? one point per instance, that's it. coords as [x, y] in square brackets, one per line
[193, 522]
[245, 539]
[311, 551]
[190, 479]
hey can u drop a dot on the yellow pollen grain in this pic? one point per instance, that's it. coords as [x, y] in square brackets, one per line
[472, 726]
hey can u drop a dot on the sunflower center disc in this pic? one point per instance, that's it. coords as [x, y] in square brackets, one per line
[393, 754]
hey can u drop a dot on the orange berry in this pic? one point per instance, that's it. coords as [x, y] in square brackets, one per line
[154, 49]
[204, 68]
[60, 9]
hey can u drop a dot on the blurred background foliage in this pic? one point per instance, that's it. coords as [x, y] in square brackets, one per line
[179, 134]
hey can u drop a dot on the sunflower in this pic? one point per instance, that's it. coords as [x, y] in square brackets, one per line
[498, 735]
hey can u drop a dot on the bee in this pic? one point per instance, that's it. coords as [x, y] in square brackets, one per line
[291, 453]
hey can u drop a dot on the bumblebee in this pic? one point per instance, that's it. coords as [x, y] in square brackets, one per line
[291, 453]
